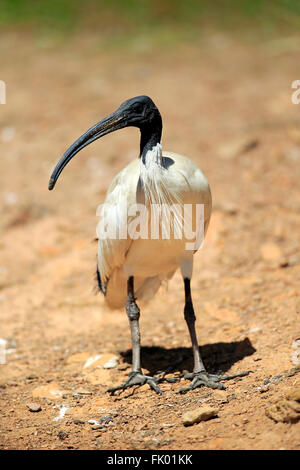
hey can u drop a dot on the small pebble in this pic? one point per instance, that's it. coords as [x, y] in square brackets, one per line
[31, 377]
[82, 391]
[78, 421]
[34, 407]
[96, 427]
[263, 389]
[106, 419]
[231, 397]
[113, 362]
[93, 422]
[199, 414]
[62, 435]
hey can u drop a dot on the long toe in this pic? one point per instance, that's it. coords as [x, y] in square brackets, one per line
[203, 379]
[137, 378]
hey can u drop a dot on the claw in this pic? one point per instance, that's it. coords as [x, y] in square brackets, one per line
[137, 378]
[154, 386]
[202, 378]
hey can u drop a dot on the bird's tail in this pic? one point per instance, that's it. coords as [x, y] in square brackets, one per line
[145, 288]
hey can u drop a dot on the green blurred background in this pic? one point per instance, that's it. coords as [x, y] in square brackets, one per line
[162, 20]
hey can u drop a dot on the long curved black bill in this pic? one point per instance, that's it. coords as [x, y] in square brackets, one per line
[111, 123]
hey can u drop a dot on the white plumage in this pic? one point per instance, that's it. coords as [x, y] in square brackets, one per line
[166, 178]
[135, 252]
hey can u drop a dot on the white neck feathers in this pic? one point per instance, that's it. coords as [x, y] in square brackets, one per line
[155, 180]
[153, 176]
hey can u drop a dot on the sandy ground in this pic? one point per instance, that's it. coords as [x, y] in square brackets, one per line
[228, 107]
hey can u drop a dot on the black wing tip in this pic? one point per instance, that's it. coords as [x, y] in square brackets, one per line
[100, 286]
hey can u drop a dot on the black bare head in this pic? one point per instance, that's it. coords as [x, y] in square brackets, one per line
[138, 112]
[141, 112]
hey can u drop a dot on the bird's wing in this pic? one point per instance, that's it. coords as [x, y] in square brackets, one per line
[113, 242]
[191, 184]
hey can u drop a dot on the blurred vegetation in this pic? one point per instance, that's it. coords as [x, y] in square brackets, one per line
[120, 18]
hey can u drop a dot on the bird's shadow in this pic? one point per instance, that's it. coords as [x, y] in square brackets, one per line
[216, 357]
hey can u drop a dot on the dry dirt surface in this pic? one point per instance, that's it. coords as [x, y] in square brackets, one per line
[228, 107]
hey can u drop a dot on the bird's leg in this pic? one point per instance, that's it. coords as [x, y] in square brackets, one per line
[133, 313]
[200, 377]
[136, 376]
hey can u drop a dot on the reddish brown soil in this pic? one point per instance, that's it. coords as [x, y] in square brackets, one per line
[228, 107]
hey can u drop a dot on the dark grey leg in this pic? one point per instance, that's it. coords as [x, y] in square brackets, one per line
[190, 319]
[200, 377]
[133, 313]
[136, 376]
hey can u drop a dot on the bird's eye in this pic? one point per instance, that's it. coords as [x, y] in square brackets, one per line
[138, 108]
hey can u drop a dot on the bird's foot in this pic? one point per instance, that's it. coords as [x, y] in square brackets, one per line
[137, 378]
[203, 378]
[161, 376]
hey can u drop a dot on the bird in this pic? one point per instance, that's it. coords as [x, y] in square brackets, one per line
[131, 267]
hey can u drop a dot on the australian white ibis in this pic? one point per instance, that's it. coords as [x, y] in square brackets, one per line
[132, 267]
